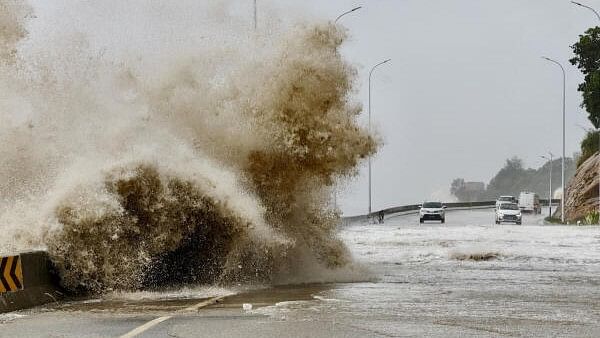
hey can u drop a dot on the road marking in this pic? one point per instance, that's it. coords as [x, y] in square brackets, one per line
[143, 328]
[140, 329]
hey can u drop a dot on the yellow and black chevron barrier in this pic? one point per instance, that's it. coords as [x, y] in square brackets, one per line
[11, 274]
[26, 280]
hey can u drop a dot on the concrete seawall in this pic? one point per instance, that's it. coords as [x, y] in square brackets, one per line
[26, 281]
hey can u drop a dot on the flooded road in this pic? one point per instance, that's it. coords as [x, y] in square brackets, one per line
[466, 278]
[533, 279]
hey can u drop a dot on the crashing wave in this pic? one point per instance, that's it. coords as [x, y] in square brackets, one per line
[185, 173]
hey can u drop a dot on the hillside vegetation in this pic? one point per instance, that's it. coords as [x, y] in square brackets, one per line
[514, 178]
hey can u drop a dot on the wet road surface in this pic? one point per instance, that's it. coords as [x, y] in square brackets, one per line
[466, 278]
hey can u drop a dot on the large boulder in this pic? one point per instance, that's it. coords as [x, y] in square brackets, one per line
[582, 192]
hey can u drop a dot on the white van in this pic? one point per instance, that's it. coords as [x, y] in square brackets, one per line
[530, 202]
[505, 199]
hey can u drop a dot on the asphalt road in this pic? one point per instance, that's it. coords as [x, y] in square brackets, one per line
[466, 278]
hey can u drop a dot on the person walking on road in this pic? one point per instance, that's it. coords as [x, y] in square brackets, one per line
[380, 216]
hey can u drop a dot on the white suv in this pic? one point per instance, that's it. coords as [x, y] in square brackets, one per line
[432, 211]
[508, 212]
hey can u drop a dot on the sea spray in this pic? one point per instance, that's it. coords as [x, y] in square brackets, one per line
[12, 30]
[215, 167]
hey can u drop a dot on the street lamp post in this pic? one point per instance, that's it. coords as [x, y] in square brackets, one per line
[370, 75]
[550, 186]
[597, 120]
[336, 20]
[588, 7]
[255, 21]
[347, 12]
[564, 192]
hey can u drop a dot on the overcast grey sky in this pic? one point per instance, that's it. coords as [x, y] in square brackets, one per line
[466, 88]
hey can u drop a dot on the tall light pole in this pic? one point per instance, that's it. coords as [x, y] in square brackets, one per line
[370, 75]
[564, 192]
[347, 12]
[336, 20]
[550, 187]
[597, 120]
[588, 7]
[255, 21]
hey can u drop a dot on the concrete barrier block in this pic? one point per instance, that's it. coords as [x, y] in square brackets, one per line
[27, 280]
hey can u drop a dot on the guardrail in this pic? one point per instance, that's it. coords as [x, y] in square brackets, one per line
[407, 209]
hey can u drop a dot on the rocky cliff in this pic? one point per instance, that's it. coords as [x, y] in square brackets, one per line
[582, 191]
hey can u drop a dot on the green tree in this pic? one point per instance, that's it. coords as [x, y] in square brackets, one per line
[514, 178]
[508, 181]
[457, 188]
[587, 59]
[589, 146]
